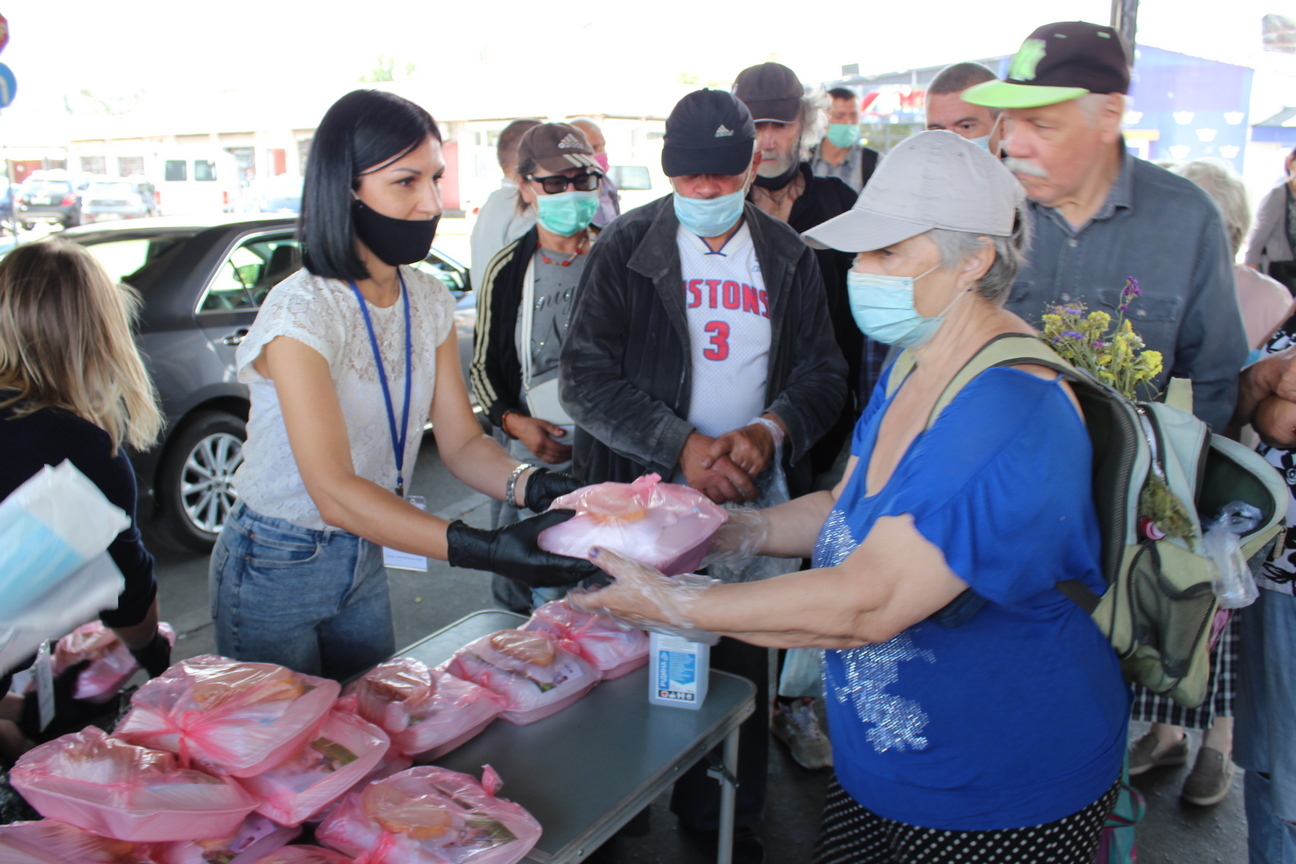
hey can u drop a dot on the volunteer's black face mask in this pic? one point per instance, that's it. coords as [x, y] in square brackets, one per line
[781, 180]
[394, 241]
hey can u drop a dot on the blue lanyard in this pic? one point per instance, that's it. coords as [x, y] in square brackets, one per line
[398, 439]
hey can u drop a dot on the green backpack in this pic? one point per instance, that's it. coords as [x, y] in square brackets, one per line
[1159, 604]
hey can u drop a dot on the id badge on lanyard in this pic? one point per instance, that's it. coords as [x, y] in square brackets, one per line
[392, 557]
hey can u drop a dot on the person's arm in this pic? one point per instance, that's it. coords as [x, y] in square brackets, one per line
[1211, 344]
[815, 390]
[893, 580]
[1267, 221]
[593, 390]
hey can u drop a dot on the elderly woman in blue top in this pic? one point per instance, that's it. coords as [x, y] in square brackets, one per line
[976, 711]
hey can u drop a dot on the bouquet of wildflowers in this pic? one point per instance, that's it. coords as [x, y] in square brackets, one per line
[1115, 356]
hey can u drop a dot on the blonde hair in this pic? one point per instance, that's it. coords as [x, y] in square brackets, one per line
[66, 342]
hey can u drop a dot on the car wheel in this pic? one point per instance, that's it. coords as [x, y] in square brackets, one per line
[195, 487]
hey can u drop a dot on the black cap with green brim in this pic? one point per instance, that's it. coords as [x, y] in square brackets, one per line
[1056, 63]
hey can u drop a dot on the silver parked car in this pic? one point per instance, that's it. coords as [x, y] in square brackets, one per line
[203, 280]
[110, 198]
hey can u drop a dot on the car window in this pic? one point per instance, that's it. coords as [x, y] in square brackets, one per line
[123, 257]
[46, 187]
[448, 273]
[245, 277]
[110, 189]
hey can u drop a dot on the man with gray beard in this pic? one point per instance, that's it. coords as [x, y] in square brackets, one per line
[1099, 216]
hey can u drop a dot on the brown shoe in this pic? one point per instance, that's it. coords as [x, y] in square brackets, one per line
[1147, 753]
[1208, 782]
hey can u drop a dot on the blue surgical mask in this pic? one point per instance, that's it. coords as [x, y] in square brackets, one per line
[567, 212]
[983, 142]
[883, 308]
[710, 217]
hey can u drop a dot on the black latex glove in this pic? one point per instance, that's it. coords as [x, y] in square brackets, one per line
[543, 486]
[70, 715]
[155, 657]
[512, 551]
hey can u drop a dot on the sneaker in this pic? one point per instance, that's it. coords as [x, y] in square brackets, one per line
[797, 726]
[1208, 782]
[1147, 753]
[748, 848]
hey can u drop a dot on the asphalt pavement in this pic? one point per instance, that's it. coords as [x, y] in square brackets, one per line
[1172, 832]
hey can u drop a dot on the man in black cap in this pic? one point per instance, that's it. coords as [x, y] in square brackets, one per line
[1100, 216]
[700, 338]
[788, 123]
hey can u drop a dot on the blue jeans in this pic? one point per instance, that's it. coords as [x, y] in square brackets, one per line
[314, 601]
[1264, 737]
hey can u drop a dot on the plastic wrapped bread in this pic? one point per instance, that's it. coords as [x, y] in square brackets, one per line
[660, 524]
[228, 717]
[342, 753]
[427, 712]
[430, 815]
[118, 790]
[531, 672]
[613, 649]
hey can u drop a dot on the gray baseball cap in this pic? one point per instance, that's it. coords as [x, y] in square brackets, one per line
[931, 180]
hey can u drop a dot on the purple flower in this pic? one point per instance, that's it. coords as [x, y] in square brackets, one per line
[1071, 311]
[1073, 335]
[1130, 290]
[1099, 344]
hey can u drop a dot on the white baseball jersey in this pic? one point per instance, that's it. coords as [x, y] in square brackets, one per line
[729, 331]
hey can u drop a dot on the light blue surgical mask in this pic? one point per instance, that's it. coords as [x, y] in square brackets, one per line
[567, 212]
[710, 217]
[843, 135]
[983, 142]
[883, 308]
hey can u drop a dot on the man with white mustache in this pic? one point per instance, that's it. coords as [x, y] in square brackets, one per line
[1099, 215]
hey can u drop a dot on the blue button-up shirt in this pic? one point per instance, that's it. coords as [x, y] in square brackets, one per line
[1166, 233]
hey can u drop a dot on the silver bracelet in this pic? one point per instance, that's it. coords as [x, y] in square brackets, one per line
[510, 485]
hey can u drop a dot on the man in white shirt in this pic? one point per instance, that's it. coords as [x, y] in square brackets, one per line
[499, 221]
[700, 338]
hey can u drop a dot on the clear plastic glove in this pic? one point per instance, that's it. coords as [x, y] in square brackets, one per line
[739, 538]
[644, 597]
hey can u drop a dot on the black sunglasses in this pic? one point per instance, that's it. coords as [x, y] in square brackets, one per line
[557, 183]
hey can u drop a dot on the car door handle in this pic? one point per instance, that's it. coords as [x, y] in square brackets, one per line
[236, 337]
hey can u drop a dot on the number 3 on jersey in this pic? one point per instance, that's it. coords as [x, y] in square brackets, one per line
[719, 349]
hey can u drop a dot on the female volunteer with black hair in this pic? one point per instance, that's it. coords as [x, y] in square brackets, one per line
[347, 361]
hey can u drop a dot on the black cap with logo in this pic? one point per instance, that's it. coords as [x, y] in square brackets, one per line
[708, 132]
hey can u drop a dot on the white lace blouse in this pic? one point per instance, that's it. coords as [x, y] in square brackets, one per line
[324, 314]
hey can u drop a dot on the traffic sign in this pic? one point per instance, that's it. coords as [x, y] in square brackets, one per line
[8, 86]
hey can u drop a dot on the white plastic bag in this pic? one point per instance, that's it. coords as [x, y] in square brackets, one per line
[54, 574]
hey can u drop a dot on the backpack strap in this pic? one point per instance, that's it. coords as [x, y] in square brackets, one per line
[1007, 349]
[900, 369]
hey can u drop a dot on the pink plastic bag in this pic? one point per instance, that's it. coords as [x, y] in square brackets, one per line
[132, 793]
[51, 842]
[427, 712]
[614, 650]
[342, 753]
[111, 663]
[228, 717]
[660, 524]
[256, 837]
[430, 815]
[531, 672]
[305, 855]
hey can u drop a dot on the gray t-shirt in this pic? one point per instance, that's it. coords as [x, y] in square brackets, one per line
[555, 286]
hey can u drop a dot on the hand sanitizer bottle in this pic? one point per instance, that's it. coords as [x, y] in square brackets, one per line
[678, 671]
